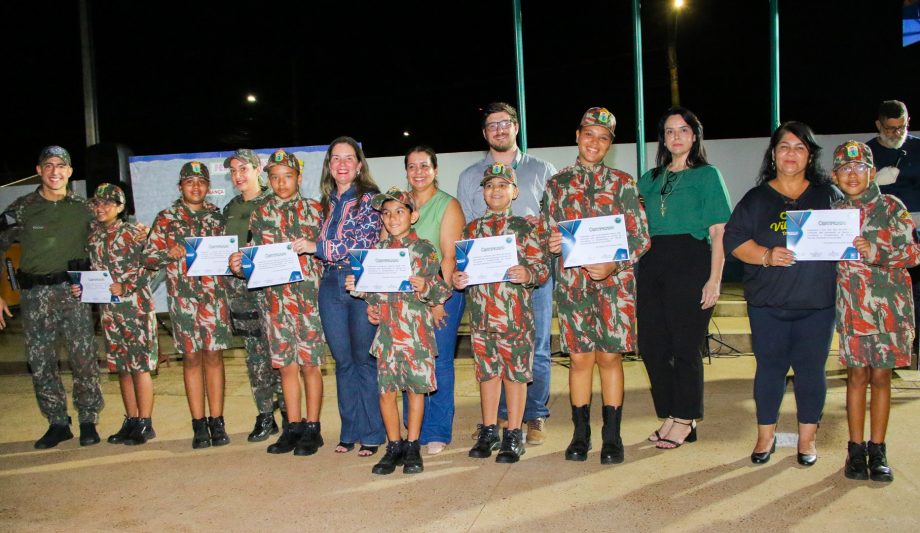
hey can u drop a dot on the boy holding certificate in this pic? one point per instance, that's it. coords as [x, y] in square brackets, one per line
[875, 310]
[501, 317]
[596, 302]
[290, 317]
[129, 326]
[405, 345]
[198, 308]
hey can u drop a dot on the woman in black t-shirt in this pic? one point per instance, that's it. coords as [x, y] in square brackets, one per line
[790, 304]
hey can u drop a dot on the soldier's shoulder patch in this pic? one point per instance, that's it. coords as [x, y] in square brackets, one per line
[904, 214]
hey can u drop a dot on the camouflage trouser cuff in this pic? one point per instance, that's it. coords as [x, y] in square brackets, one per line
[89, 418]
[59, 421]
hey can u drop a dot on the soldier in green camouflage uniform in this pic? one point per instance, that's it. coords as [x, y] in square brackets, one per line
[129, 326]
[875, 307]
[596, 303]
[198, 308]
[501, 316]
[290, 321]
[52, 224]
[265, 382]
[405, 345]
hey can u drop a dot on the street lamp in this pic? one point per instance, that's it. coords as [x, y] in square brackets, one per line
[251, 98]
[672, 53]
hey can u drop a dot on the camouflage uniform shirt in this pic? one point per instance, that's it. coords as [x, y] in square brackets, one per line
[504, 307]
[406, 330]
[291, 314]
[874, 294]
[197, 304]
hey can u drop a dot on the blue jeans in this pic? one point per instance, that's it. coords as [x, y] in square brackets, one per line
[350, 336]
[537, 405]
[437, 425]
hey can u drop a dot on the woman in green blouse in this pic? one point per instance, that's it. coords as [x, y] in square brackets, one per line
[679, 278]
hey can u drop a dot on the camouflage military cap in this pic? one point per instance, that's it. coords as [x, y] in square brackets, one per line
[53, 151]
[852, 152]
[107, 191]
[499, 170]
[246, 156]
[194, 169]
[394, 193]
[282, 157]
[599, 116]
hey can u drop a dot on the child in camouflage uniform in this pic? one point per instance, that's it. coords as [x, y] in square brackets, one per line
[129, 326]
[198, 308]
[405, 346]
[596, 303]
[875, 309]
[501, 317]
[290, 318]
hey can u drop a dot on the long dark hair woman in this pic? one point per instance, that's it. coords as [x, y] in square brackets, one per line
[790, 303]
[347, 188]
[679, 281]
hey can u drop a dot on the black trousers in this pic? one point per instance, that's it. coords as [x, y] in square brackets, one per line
[671, 325]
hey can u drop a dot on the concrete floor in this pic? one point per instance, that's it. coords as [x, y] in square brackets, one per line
[708, 485]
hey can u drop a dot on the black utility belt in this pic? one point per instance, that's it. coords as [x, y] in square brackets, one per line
[27, 281]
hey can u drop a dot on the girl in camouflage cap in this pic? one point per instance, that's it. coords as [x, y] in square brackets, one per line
[129, 323]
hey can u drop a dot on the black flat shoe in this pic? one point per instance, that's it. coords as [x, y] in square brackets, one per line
[807, 459]
[759, 458]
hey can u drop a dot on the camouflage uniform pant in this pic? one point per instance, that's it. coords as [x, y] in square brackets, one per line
[50, 312]
[600, 320]
[505, 355]
[131, 342]
[264, 381]
[398, 372]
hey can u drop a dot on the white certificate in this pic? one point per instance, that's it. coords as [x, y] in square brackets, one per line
[487, 260]
[270, 264]
[381, 269]
[207, 256]
[588, 241]
[823, 234]
[95, 285]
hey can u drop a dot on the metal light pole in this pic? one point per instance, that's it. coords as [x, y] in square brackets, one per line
[774, 65]
[672, 54]
[638, 88]
[89, 77]
[519, 57]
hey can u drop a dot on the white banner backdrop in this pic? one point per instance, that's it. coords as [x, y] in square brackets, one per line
[155, 184]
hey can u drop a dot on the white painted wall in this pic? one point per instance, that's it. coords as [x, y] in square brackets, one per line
[737, 159]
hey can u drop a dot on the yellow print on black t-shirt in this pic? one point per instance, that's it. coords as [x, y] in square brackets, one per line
[781, 225]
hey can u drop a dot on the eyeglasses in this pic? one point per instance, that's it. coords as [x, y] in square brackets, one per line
[895, 130]
[859, 168]
[669, 182]
[500, 125]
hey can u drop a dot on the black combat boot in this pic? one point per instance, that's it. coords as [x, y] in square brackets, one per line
[265, 426]
[512, 447]
[311, 440]
[219, 435]
[141, 432]
[878, 463]
[856, 466]
[202, 438]
[56, 434]
[486, 443]
[581, 437]
[88, 434]
[390, 460]
[412, 457]
[122, 434]
[612, 451]
[290, 436]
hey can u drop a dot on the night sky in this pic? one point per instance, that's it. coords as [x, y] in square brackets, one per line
[172, 76]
